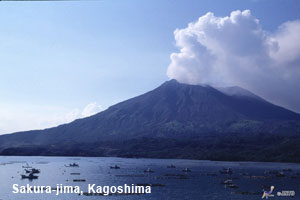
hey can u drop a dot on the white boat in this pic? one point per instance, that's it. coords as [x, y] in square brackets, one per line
[186, 170]
[148, 170]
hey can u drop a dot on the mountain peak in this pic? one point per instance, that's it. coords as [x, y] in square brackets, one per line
[234, 91]
[173, 111]
[239, 92]
[171, 82]
[176, 109]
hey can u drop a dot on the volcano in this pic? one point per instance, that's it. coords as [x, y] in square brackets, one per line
[175, 120]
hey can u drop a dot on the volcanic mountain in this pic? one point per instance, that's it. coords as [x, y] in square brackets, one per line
[174, 120]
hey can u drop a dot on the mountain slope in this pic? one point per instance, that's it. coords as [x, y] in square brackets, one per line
[171, 111]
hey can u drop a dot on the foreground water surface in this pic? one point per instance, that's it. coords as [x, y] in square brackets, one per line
[204, 181]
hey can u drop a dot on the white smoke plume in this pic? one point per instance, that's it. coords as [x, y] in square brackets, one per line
[235, 50]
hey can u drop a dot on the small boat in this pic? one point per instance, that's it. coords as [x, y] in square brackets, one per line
[227, 182]
[186, 170]
[72, 165]
[148, 170]
[226, 171]
[171, 166]
[33, 170]
[79, 180]
[75, 173]
[31, 176]
[280, 174]
[115, 167]
[232, 186]
[27, 166]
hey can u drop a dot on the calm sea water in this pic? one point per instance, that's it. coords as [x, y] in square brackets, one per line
[203, 182]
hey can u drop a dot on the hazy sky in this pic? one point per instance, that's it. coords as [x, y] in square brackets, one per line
[64, 60]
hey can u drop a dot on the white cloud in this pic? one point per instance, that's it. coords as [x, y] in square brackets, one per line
[235, 50]
[26, 117]
[91, 109]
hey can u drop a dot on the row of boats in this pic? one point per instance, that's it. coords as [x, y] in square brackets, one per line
[149, 170]
[32, 173]
[72, 165]
[228, 183]
[226, 171]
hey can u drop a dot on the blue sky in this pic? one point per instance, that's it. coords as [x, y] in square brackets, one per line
[59, 57]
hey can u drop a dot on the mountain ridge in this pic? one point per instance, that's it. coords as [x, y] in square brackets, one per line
[171, 111]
